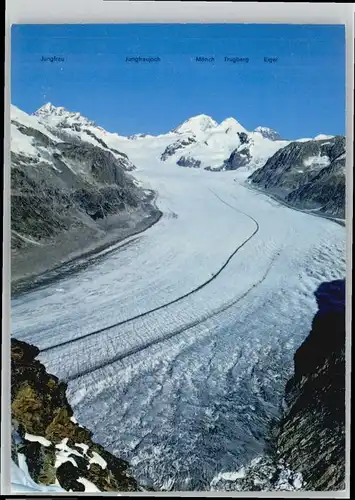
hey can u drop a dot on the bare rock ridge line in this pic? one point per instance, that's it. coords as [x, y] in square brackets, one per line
[57, 450]
[178, 299]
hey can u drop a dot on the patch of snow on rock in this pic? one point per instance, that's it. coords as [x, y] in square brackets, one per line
[89, 486]
[316, 161]
[97, 459]
[39, 439]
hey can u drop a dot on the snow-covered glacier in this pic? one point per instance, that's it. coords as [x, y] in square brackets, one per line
[209, 304]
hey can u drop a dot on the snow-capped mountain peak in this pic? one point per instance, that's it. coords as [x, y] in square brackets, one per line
[231, 125]
[268, 133]
[46, 109]
[58, 115]
[196, 124]
[49, 109]
[220, 146]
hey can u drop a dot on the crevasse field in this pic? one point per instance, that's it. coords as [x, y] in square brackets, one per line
[186, 385]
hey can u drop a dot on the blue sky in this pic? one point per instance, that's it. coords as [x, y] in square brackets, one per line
[301, 95]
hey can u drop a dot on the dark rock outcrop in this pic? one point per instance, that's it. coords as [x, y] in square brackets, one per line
[311, 437]
[187, 161]
[243, 137]
[57, 449]
[134, 137]
[308, 175]
[179, 144]
[327, 190]
[239, 158]
[214, 169]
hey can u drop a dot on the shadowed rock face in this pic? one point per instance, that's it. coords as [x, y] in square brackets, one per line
[188, 161]
[82, 180]
[312, 435]
[56, 448]
[239, 158]
[308, 175]
[326, 190]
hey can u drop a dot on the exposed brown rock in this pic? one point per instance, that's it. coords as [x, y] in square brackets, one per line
[40, 407]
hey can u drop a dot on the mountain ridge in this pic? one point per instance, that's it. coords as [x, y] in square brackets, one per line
[202, 120]
[70, 193]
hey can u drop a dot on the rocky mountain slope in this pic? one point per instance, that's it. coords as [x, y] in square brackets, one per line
[47, 442]
[312, 434]
[70, 191]
[308, 175]
[307, 447]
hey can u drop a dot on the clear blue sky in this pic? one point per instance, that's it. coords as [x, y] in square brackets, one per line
[302, 95]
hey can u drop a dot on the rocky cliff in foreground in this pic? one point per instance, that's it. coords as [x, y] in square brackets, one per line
[312, 434]
[55, 449]
[308, 175]
[307, 448]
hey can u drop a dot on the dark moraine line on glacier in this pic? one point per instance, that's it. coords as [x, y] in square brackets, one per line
[158, 308]
[172, 334]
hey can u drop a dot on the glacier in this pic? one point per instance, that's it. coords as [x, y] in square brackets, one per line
[211, 303]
